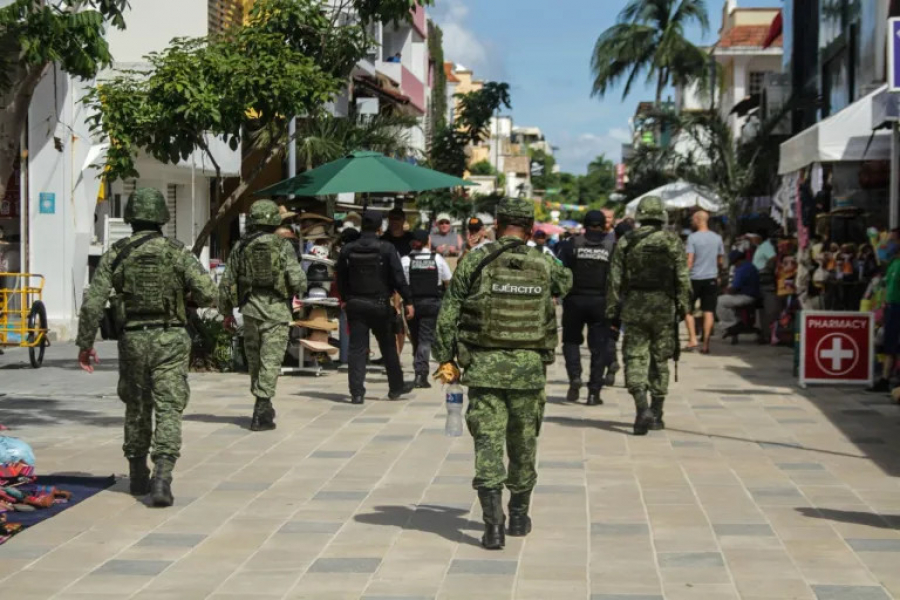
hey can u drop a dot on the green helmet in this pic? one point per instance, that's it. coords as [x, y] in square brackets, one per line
[148, 205]
[265, 212]
[515, 209]
[651, 208]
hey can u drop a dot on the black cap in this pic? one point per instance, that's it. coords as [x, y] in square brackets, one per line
[372, 217]
[595, 218]
[540, 234]
[420, 235]
[397, 212]
[475, 224]
[735, 255]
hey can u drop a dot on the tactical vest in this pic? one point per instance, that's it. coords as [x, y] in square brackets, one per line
[591, 266]
[424, 277]
[649, 264]
[147, 282]
[368, 277]
[261, 266]
[509, 305]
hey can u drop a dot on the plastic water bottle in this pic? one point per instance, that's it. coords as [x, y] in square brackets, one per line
[454, 427]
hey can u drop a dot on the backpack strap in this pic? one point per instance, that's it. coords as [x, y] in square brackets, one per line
[491, 258]
[132, 245]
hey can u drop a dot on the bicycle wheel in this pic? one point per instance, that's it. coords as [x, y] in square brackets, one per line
[37, 319]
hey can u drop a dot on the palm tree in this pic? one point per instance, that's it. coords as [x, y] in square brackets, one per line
[649, 39]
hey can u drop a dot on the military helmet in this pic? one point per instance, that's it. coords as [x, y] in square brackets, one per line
[265, 212]
[148, 205]
[515, 210]
[651, 208]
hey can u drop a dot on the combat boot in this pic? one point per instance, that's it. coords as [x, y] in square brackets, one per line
[139, 476]
[594, 398]
[161, 484]
[519, 521]
[422, 382]
[644, 416]
[263, 415]
[574, 390]
[610, 379]
[494, 520]
[656, 406]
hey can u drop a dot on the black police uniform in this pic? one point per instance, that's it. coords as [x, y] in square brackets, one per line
[588, 256]
[427, 290]
[368, 273]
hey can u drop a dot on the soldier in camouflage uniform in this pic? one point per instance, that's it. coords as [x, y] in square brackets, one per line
[261, 278]
[499, 323]
[151, 276]
[649, 293]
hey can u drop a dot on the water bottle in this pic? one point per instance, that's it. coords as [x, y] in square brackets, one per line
[454, 427]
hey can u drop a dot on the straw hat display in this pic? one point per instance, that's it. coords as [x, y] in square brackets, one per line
[315, 232]
[318, 320]
[286, 214]
[318, 342]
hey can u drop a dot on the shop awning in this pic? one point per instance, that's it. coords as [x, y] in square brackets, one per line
[844, 137]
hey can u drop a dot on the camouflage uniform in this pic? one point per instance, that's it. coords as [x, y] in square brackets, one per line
[650, 316]
[506, 384]
[154, 348]
[266, 306]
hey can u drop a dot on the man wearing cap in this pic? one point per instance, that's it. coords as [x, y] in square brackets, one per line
[539, 240]
[445, 241]
[476, 235]
[588, 256]
[368, 274]
[648, 291]
[428, 274]
[261, 278]
[498, 323]
[396, 234]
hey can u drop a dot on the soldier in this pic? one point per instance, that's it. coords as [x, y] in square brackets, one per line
[261, 278]
[151, 276]
[499, 323]
[649, 292]
[588, 256]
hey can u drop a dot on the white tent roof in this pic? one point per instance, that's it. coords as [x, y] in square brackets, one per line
[843, 137]
[680, 195]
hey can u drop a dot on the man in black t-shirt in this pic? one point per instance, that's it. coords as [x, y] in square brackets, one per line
[396, 235]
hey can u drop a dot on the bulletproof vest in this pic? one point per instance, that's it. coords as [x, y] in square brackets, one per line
[261, 266]
[649, 264]
[147, 282]
[424, 278]
[591, 266]
[509, 305]
[368, 276]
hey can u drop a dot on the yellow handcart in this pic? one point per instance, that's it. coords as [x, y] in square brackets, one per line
[23, 316]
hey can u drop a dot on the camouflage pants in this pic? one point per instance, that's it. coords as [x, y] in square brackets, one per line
[647, 349]
[153, 378]
[509, 420]
[265, 343]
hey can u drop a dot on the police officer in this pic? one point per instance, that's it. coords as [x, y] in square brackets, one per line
[152, 276]
[649, 291]
[368, 273]
[588, 256]
[498, 323]
[261, 278]
[427, 273]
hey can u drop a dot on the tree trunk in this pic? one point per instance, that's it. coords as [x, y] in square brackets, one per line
[13, 117]
[227, 207]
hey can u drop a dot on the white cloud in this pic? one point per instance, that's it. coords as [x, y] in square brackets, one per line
[461, 45]
[577, 151]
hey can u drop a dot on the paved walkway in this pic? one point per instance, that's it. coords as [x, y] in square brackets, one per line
[757, 490]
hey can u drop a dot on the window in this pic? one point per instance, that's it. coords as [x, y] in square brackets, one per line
[757, 79]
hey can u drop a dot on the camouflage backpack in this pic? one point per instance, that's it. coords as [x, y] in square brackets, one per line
[146, 279]
[649, 264]
[261, 265]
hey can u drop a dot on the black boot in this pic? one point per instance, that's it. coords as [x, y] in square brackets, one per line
[263, 415]
[161, 484]
[406, 389]
[422, 382]
[656, 406]
[139, 474]
[574, 391]
[494, 520]
[644, 416]
[610, 379]
[519, 521]
[594, 398]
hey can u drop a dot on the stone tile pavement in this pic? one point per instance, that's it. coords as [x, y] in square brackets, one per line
[758, 490]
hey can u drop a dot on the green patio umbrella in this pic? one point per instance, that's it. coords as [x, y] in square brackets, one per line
[364, 172]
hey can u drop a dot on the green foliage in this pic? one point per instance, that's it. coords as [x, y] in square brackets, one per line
[439, 87]
[483, 167]
[548, 179]
[649, 40]
[211, 348]
[388, 10]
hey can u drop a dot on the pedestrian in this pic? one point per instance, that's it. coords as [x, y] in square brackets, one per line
[498, 323]
[539, 240]
[648, 292]
[705, 255]
[891, 328]
[588, 257]
[445, 240]
[152, 277]
[476, 236]
[743, 291]
[369, 272]
[428, 275]
[262, 276]
[397, 233]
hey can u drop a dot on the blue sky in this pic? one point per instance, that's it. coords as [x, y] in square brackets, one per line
[543, 49]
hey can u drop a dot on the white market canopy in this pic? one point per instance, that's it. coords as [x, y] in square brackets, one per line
[681, 195]
[844, 137]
